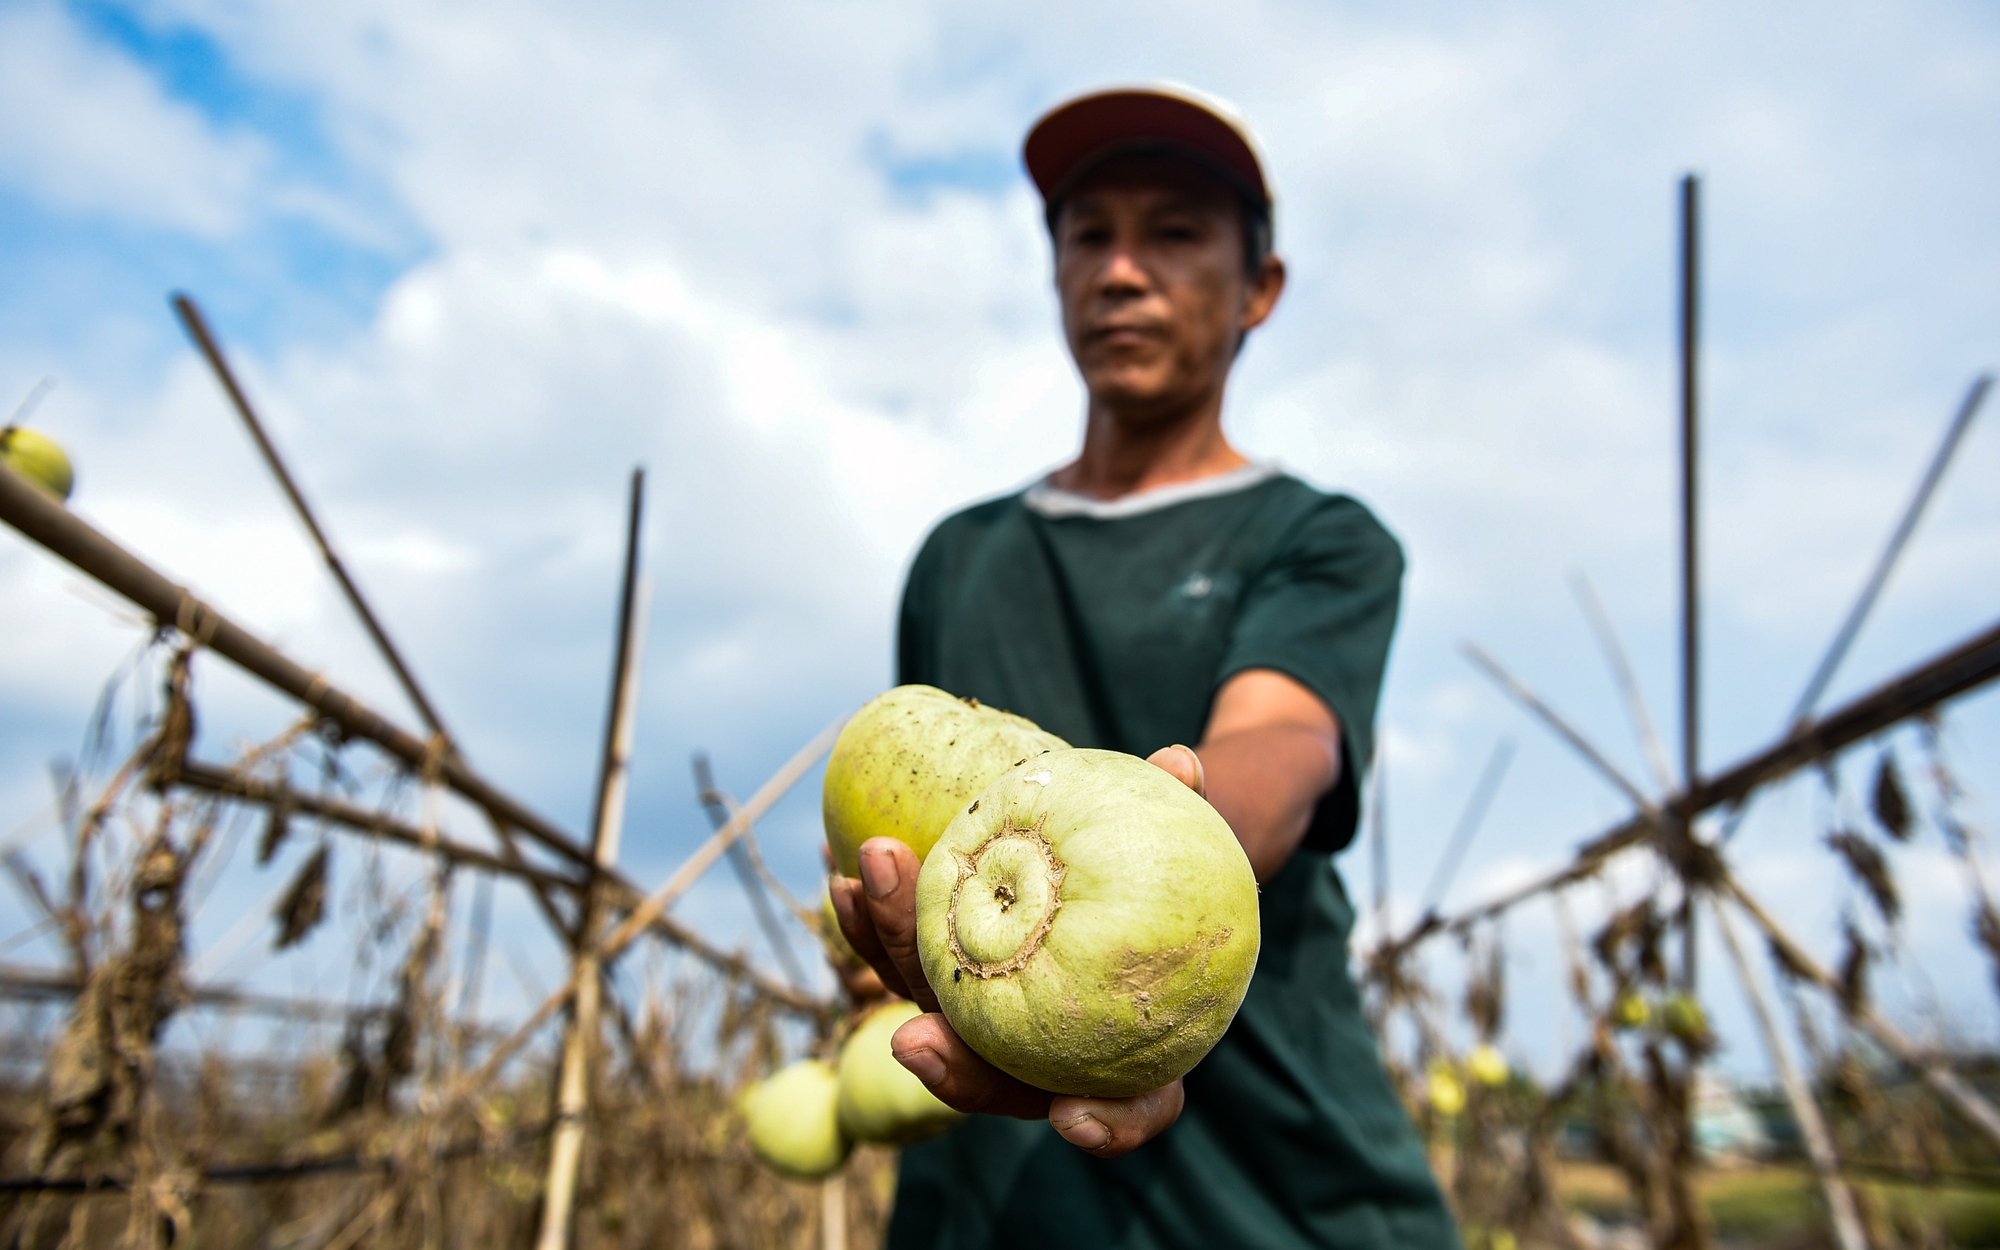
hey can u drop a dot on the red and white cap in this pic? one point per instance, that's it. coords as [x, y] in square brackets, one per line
[1075, 137]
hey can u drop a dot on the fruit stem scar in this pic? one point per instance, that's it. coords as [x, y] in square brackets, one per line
[1054, 871]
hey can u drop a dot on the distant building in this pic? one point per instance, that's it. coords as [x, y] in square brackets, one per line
[1725, 1125]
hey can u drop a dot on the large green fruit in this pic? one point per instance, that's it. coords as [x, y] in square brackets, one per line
[794, 1124]
[39, 458]
[880, 1099]
[1089, 924]
[908, 762]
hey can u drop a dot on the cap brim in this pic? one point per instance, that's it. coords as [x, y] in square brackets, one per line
[1074, 137]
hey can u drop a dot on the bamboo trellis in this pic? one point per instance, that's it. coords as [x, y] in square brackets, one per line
[1659, 1162]
[563, 870]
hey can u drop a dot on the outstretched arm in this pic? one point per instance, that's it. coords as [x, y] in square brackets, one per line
[1271, 750]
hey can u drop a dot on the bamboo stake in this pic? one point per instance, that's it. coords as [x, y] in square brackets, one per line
[1520, 693]
[197, 328]
[230, 784]
[704, 858]
[1468, 824]
[717, 805]
[650, 910]
[1949, 1085]
[44, 521]
[620, 893]
[573, 1096]
[19, 982]
[755, 854]
[1627, 682]
[1945, 676]
[833, 1212]
[1847, 1228]
[1892, 552]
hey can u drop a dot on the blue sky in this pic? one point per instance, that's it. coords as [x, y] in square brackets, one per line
[474, 264]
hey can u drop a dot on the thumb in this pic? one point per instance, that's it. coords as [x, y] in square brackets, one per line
[1183, 764]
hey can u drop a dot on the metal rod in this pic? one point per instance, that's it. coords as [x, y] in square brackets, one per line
[717, 807]
[1812, 1126]
[1690, 327]
[197, 328]
[614, 775]
[1520, 693]
[44, 521]
[1690, 534]
[1469, 820]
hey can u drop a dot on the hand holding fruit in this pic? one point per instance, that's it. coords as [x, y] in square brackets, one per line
[878, 915]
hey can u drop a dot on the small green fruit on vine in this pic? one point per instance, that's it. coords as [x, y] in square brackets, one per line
[793, 1121]
[880, 1099]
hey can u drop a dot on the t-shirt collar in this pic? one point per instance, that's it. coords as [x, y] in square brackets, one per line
[1047, 499]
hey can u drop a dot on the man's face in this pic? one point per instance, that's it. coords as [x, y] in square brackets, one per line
[1149, 267]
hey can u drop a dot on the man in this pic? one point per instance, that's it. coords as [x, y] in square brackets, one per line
[1161, 589]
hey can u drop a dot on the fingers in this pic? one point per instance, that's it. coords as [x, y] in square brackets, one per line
[889, 871]
[1185, 766]
[958, 1077]
[862, 983]
[850, 908]
[878, 915]
[1109, 1127]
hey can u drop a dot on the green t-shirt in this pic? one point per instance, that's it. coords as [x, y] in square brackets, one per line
[1113, 625]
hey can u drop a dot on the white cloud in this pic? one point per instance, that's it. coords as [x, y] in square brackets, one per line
[83, 129]
[668, 237]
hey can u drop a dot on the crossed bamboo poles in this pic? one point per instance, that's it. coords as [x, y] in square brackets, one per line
[590, 875]
[52, 526]
[597, 887]
[1666, 824]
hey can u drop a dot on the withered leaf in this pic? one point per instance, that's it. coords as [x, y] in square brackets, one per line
[1890, 802]
[1854, 973]
[1792, 969]
[1868, 866]
[304, 904]
[277, 827]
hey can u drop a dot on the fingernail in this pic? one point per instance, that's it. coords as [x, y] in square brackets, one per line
[923, 1064]
[878, 874]
[1085, 1131]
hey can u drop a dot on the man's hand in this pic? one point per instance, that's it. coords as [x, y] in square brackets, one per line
[878, 913]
